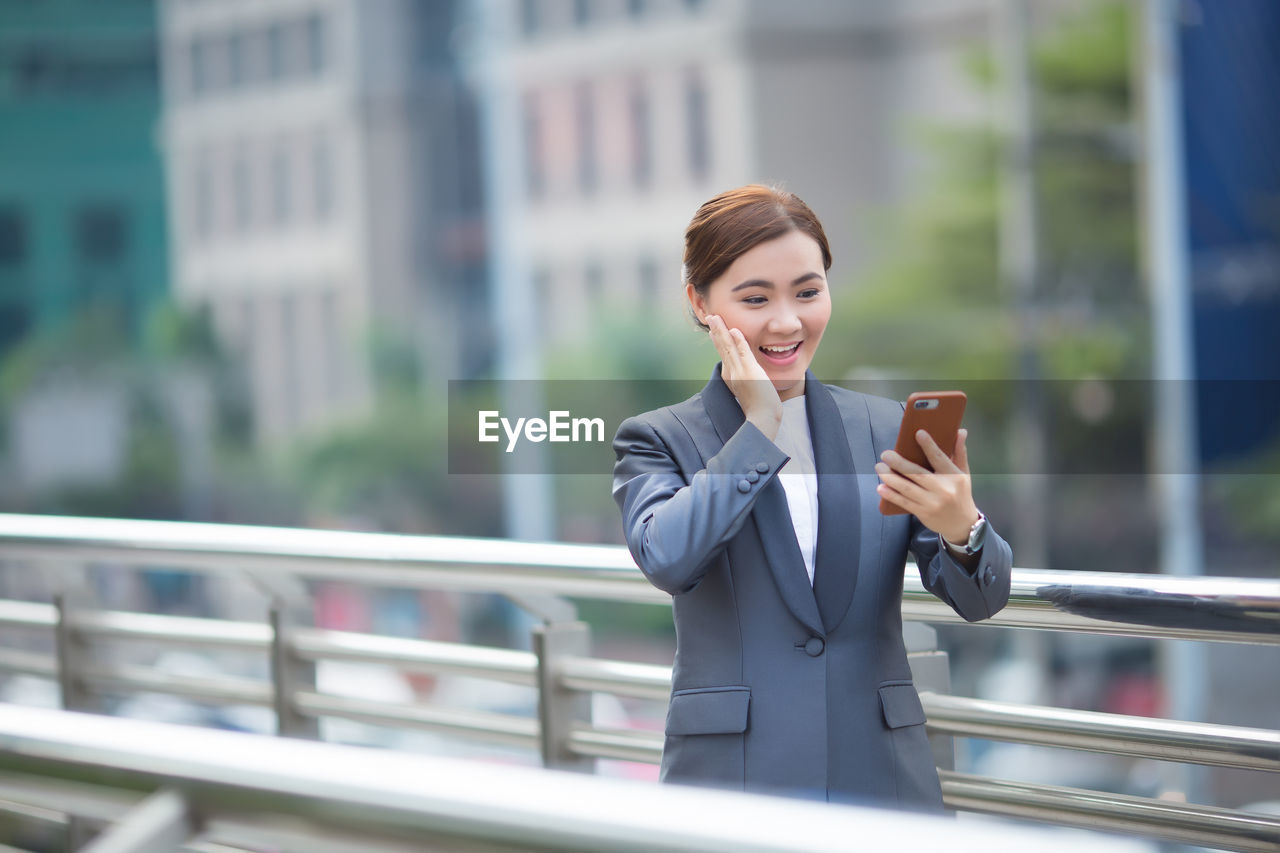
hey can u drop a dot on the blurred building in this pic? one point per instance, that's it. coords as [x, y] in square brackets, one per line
[633, 112]
[323, 194]
[81, 188]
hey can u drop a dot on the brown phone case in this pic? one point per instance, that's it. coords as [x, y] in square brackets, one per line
[941, 421]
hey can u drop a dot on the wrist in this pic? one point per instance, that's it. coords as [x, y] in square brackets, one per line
[767, 422]
[970, 541]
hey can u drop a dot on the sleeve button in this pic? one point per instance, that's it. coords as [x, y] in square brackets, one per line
[752, 476]
[762, 467]
[988, 576]
[744, 486]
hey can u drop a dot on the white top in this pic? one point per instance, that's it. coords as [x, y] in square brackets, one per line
[799, 477]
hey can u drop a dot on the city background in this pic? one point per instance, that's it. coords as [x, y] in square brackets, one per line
[246, 245]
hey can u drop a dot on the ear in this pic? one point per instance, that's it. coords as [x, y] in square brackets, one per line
[698, 304]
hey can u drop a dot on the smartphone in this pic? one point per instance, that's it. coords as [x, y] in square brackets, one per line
[938, 413]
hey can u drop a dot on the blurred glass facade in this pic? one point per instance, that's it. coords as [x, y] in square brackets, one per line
[82, 218]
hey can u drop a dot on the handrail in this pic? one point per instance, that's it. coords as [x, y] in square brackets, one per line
[1221, 609]
[1185, 823]
[1116, 734]
[248, 782]
[1245, 610]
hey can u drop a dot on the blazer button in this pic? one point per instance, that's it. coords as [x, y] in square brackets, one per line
[744, 486]
[988, 576]
[814, 647]
[752, 476]
[762, 467]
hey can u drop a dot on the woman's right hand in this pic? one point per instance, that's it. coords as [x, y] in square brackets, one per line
[746, 378]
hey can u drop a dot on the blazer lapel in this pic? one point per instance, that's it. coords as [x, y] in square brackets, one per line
[839, 504]
[770, 514]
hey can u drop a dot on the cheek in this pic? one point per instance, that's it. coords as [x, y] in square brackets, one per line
[818, 319]
[743, 321]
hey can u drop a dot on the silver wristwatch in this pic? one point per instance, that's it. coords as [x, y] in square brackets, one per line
[977, 534]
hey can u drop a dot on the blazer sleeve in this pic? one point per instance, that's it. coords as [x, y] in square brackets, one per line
[674, 529]
[975, 595]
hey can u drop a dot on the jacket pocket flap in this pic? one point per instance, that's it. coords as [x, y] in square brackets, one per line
[901, 705]
[715, 710]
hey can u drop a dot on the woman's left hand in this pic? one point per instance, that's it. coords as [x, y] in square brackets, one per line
[942, 498]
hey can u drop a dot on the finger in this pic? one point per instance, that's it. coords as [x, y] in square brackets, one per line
[962, 451]
[743, 348]
[897, 498]
[904, 466]
[719, 337]
[900, 484]
[939, 460]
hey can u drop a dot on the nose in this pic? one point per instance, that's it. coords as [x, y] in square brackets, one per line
[785, 319]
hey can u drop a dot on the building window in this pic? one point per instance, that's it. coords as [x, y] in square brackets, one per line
[335, 351]
[535, 176]
[202, 199]
[100, 234]
[697, 126]
[585, 118]
[15, 322]
[641, 142]
[281, 189]
[13, 238]
[315, 42]
[288, 353]
[253, 57]
[200, 66]
[322, 179]
[242, 191]
[275, 52]
[529, 17]
[236, 60]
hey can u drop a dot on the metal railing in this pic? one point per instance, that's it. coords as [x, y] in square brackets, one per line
[540, 576]
[162, 790]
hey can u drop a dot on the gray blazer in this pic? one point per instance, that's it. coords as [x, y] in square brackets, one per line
[778, 686]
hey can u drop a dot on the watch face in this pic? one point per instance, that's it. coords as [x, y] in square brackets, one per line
[978, 534]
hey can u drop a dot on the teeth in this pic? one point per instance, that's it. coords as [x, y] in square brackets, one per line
[779, 349]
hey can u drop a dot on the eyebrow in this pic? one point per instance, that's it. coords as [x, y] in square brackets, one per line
[760, 282]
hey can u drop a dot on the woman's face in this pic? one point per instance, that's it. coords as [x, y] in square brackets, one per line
[776, 295]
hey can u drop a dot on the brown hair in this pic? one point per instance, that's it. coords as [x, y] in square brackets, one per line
[736, 221]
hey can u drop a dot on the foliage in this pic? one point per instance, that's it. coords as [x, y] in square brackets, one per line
[389, 470]
[94, 348]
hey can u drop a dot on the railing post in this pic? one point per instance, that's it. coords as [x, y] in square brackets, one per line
[71, 653]
[289, 673]
[73, 659]
[930, 670]
[559, 709]
[160, 824]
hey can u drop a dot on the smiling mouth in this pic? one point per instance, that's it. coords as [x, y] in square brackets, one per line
[780, 352]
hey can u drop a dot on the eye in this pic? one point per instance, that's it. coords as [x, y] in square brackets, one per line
[809, 293]
[755, 300]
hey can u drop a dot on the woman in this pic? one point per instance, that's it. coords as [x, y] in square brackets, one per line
[755, 503]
